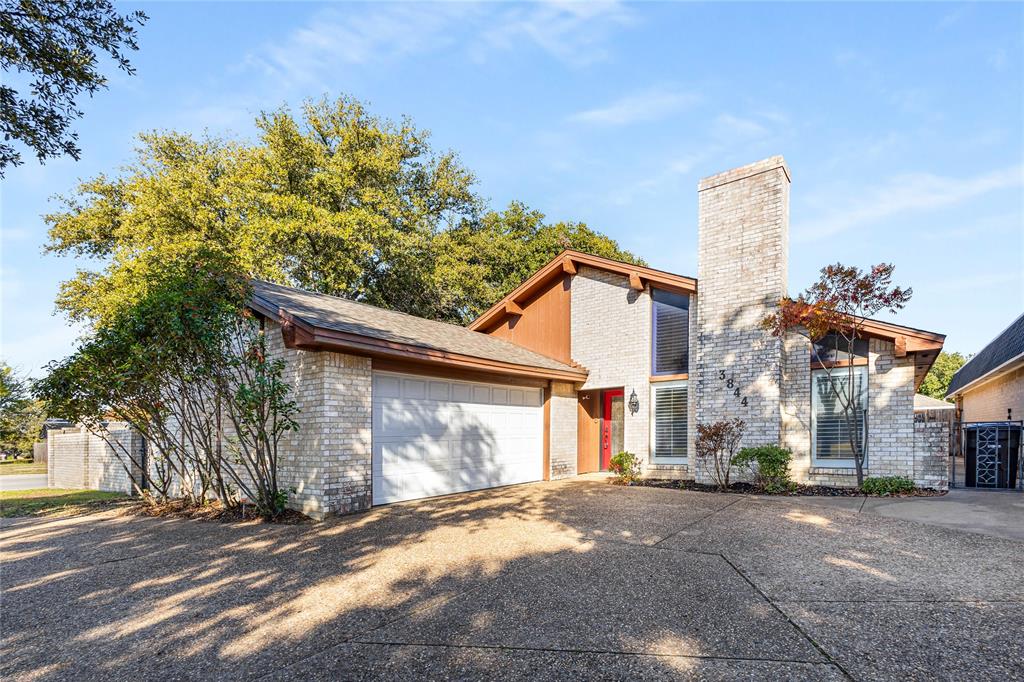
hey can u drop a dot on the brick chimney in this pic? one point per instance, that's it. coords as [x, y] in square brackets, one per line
[743, 245]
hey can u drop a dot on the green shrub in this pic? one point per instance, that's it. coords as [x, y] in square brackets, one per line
[769, 465]
[887, 485]
[626, 466]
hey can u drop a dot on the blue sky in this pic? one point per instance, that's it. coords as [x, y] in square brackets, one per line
[903, 126]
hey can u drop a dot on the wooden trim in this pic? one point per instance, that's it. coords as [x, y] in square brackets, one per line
[900, 346]
[567, 262]
[836, 364]
[669, 377]
[635, 282]
[547, 433]
[386, 364]
[512, 308]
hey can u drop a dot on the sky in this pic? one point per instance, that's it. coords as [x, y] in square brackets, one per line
[902, 124]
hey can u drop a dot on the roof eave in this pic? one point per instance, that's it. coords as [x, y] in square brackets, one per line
[993, 373]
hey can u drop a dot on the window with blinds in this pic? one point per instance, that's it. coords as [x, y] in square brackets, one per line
[668, 423]
[671, 332]
[830, 428]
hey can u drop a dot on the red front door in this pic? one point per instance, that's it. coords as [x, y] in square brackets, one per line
[612, 418]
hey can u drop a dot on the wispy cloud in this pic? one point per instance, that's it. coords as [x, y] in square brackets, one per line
[649, 105]
[728, 126]
[572, 32]
[904, 194]
[985, 280]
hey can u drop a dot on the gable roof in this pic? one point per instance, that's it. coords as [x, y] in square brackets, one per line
[567, 262]
[1003, 350]
[926, 402]
[321, 322]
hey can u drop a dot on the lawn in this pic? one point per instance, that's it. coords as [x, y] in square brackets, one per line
[13, 467]
[41, 501]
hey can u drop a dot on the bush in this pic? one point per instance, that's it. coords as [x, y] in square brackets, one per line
[769, 466]
[887, 485]
[716, 445]
[626, 466]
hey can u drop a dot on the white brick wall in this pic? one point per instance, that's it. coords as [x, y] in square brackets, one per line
[611, 337]
[741, 269]
[563, 420]
[79, 460]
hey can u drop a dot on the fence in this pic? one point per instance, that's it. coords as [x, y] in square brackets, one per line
[79, 459]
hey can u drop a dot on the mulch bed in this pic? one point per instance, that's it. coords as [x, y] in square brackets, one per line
[742, 488]
[214, 511]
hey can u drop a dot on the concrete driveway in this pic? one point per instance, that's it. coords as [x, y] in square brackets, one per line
[573, 579]
[22, 481]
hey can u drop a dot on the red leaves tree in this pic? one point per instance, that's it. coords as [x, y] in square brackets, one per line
[836, 307]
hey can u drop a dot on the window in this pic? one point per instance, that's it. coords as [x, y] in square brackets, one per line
[669, 420]
[671, 333]
[830, 430]
[834, 347]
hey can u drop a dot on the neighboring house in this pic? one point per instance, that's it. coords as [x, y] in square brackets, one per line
[990, 386]
[588, 357]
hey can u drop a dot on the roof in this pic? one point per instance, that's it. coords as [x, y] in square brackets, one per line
[1003, 350]
[567, 262]
[926, 402]
[323, 322]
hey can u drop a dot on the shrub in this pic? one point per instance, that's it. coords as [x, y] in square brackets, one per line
[626, 466]
[716, 445]
[887, 485]
[768, 464]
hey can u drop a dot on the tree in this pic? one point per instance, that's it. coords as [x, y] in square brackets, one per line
[56, 44]
[480, 261]
[716, 446]
[185, 365]
[936, 382]
[836, 307]
[335, 201]
[21, 417]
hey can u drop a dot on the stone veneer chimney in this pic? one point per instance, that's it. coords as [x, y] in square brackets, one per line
[743, 245]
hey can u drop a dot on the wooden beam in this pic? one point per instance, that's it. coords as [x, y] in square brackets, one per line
[568, 267]
[901, 346]
[512, 308]
[635, 282]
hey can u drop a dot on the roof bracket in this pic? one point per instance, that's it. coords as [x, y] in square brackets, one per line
[635, 282]
[512, 308]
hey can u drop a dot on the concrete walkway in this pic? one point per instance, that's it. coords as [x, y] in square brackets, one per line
[990, 512]
[22, 481]
[566, 580]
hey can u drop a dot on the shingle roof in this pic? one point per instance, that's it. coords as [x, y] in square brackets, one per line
[340, 314]
[926, 402]
[1001, 350]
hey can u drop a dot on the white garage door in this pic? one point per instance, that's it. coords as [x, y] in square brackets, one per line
[435, 436]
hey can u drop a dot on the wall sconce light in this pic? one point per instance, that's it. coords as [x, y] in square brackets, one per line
[634, 403]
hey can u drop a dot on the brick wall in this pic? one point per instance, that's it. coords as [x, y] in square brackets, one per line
[991, 400]
[742, 268]
[611, 337]
[328, 460]
[563, 423]
[931, 454]
[79, 459]
[796, 404]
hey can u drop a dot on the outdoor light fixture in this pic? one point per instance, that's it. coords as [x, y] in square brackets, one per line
[634, 403]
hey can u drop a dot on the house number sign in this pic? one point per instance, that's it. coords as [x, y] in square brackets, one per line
[730, 383]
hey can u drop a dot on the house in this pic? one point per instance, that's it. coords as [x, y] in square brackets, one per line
[588, 357]
[990, 386]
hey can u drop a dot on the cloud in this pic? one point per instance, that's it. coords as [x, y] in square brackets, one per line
[572, 32]
[908, 193]
[986, 280]
[729, 126]
[649, 105]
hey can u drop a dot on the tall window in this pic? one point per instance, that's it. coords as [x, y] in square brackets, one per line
[671, 333]
[668, 423]
[835, 348]
[830, 427]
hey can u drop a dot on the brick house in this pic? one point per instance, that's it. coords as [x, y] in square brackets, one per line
[990, 386]
[588, 357]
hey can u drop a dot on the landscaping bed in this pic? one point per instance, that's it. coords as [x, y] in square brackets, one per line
[212, 511]
[796, 490]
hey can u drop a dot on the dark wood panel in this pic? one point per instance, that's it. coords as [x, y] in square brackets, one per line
[543, 326]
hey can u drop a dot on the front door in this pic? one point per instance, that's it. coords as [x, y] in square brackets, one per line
[612, 422]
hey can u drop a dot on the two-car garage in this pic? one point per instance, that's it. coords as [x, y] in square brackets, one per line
[435, 436]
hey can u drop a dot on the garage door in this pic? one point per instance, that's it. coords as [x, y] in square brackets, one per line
[435, 436]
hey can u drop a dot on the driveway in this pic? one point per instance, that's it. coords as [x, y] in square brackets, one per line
[22, 481]
[572, 579]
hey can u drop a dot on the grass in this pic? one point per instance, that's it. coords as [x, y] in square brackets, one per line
[13, 467]
[43, 501]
